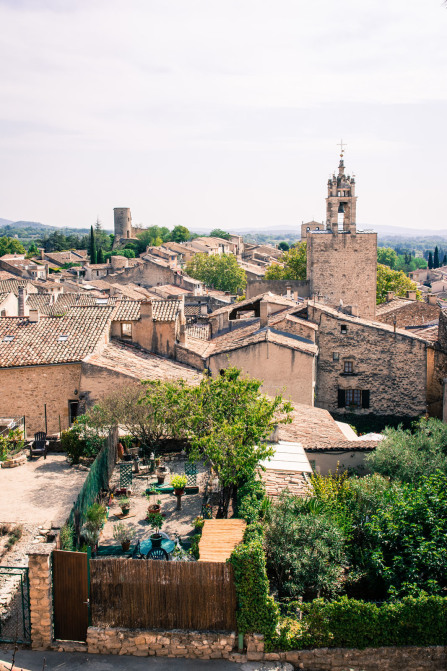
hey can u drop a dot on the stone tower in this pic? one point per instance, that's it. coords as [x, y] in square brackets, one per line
[341, 261]
[341, 201]
[122, 223]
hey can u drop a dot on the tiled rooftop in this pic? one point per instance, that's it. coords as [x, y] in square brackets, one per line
[127, 311]
[390, 306]
[141, 365]
[43, 342]
[65, 301]
[271, 298]
[316, 429]
[8, 285]
[165, 311]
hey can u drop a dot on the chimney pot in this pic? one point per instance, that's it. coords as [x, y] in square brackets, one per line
[34, 316]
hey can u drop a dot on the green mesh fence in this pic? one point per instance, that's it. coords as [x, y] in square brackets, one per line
[96, 480]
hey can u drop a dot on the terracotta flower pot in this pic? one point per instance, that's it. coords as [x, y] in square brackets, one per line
[125, 510]
[180, 491]
[154, 508]
[125, 546]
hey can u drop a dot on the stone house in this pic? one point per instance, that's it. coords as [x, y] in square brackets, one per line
[408, 311]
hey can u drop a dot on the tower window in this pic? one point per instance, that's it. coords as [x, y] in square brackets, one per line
[343, 328]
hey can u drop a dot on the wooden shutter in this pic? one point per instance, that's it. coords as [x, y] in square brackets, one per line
[365, 398]
[342, 398]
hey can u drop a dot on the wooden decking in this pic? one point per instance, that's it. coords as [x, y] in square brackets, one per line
[219, 538]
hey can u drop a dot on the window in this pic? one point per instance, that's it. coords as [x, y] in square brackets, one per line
[8, 338]
[63, 338]
[353, 397]
[101, 301]
[343, 328]
[335, 356]
[126, 330]
[348, 367]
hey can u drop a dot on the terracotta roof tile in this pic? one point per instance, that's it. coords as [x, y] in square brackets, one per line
[43, 342]
[165, 311]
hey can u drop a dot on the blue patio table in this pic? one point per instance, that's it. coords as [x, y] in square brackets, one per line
[166, 544]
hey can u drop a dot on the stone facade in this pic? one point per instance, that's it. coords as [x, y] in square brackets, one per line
[342, 266]
[404, 312]
[41, 600]
[279, 287]
[392, 367]
[28, 388]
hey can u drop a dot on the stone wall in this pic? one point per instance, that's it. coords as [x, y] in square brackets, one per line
[392, 366]
[279, 287]
[343, 266]
[411, 314]
[40, 592]
[146, 274]
[215, 645]
[141, 643]
[27, 389]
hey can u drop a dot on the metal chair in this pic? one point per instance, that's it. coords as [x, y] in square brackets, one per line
[39, 445]
[157, 553]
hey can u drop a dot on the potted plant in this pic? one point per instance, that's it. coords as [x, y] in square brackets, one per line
[154, 504]
[156, 522]
[124, 504]
[179, 484]
[123, 534]
[161, 472]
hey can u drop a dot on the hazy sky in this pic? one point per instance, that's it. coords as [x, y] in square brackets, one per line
[221, 112]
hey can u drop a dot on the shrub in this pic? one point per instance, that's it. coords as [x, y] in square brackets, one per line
[194, 550]
[305, 553]
[179, 481]
[256, 610]
[122, 533]
[14, 535]
[67, 537]
[73, 446]
[349, 623]
[95, 516]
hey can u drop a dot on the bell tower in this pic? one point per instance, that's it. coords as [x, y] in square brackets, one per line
[342, 261]
[341, 201]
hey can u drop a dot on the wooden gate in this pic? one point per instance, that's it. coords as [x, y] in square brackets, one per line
[70, 595]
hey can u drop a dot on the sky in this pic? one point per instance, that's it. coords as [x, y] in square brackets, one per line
[222, 113]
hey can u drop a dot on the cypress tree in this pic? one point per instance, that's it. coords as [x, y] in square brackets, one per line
[436, 258]
[100, 255]
[444, 260]
[93, 253]
[430, 260]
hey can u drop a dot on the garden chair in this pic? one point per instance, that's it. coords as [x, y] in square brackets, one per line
[157, 553]
[39, 445]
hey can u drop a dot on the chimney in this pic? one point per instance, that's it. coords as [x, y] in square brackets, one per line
[146, 309]
[289, 293]
[389, 296]
[411, 295]
[354, 310]
[21, 302]
[432, 299]
[42, 254]
[295, 295]
[182, 335]
[34, 316]
[274, 436]
[203, 309]
[264, 313]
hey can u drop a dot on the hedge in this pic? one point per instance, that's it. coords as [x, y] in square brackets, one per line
[349, 623]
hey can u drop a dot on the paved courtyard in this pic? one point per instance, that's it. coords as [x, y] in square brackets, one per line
[41, 492]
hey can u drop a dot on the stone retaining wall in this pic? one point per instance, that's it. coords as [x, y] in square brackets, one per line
[191, 644]
[215, 645]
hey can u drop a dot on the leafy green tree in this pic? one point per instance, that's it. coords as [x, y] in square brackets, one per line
[436, 263]
[220, 271]
[180, 234]
[93, 252]
[228, 421]
[128, 253]
[387, 257]
[219, 233]
[409, 455]
[408, 537]
[32, 250]
[392, 280]
[292, 266]
[10, 246]
[284, 246]
[305, 552]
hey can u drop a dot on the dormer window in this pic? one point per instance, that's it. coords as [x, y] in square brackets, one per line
[63, 338]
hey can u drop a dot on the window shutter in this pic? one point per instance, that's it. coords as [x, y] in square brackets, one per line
[341, 398]
[365, 398]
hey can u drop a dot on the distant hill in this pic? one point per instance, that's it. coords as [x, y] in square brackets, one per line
[35, 228]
